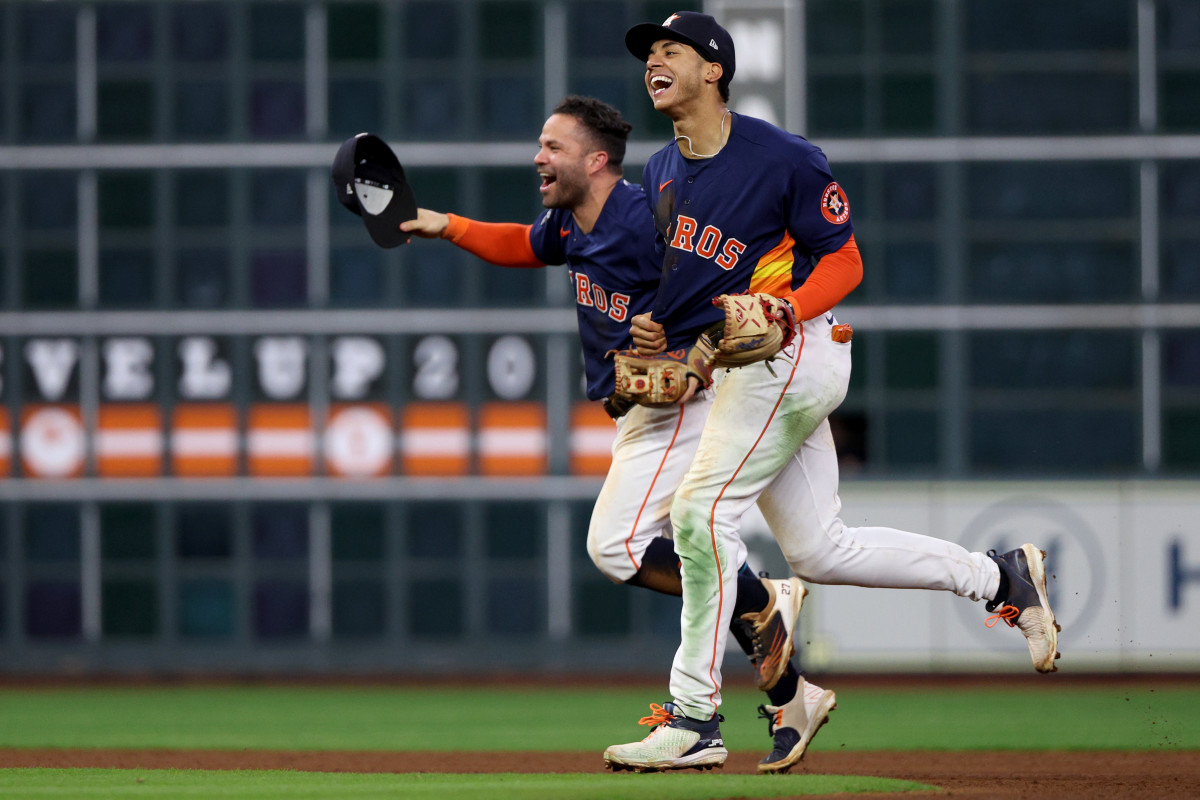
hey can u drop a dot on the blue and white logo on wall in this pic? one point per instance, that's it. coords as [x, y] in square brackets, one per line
[1075, 568]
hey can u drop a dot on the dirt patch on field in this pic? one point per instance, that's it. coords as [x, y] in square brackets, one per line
[1002, 775]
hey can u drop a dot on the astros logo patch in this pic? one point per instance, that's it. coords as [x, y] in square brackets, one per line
[834, 205]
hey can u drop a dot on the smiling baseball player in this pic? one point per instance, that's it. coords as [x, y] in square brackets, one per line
[757, 234]
[600, 226]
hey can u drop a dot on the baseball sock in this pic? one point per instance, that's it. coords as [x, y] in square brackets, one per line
[751, 594]
[1002, 587]
[784, 691]
[660, 568]
[660, 572]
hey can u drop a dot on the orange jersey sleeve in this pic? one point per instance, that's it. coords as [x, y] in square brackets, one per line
[834, 277]
[503, 243]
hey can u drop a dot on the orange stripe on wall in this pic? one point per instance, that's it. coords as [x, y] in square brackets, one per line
[279, 440]
[6, 443]
[53, 442]
[360, 441]
[512, 439]
[435, 439]
[129, 440]
[773, 273]
[592, 435]
[204, 440]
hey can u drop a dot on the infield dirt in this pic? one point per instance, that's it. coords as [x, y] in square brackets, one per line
[1003, 775]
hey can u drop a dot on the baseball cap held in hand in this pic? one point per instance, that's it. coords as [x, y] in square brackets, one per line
[700, 31]
[370, 182]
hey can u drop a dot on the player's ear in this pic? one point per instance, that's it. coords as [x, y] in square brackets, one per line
[596, 161]
[715, 72]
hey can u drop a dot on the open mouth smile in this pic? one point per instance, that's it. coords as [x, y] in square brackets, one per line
[659, 84]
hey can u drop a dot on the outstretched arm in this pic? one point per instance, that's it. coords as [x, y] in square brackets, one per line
[503, 243]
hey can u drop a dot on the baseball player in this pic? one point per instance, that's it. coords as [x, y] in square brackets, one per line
[600, 226]
[744, 207]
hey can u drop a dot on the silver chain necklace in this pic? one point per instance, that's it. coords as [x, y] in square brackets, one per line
[707, 155]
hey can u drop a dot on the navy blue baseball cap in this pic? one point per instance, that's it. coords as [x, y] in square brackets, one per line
[370, 182]
[701, 31]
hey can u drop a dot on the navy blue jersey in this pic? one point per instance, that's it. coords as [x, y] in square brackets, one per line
[614, 272]
[756, 217]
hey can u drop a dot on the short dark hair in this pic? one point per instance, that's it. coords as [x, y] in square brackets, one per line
[604, 124]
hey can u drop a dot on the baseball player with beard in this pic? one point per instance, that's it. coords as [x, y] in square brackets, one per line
[743, 207]
[600, 226]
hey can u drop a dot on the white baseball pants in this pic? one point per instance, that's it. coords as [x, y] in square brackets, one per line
[767, 439]
[653, 450]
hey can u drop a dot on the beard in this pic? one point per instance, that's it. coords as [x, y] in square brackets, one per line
[568, 190]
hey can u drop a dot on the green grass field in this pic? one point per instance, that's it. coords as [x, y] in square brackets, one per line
[1138, 717]
[273, 785]
[495, 718]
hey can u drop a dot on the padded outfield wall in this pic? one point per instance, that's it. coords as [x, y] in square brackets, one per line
[436, 596]
[1123, 556]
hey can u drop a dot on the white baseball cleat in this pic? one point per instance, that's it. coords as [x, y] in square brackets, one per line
[771, 630]
[1026, 604]
[794, 724]
[676, 742]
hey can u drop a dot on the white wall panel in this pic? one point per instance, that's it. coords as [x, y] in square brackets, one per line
[1124, 560]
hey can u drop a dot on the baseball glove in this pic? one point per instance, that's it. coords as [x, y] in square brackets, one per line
[661, 380]
[757, 326]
